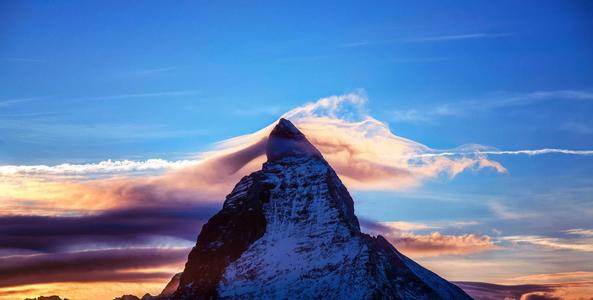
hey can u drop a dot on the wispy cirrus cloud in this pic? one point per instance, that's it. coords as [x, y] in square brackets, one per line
[428, 39]
[11, 102]
[458, 37]
[496, 101]
[144, 95]
[503, 212]
[148, 72]
[256, 111]
[577, 127]
[301, 59]
[422, 116]
[581, 245]
[25, 59]
[531, 152]
[22, 129]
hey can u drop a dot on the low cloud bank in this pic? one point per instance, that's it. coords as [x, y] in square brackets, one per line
[118, 228]
[432, 244]
[488, 291]
[132, 264]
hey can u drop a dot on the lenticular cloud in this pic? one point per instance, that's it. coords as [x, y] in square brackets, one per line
[362, 149]
[365, 153]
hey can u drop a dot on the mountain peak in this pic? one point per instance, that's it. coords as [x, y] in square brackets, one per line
[286, 128]
[288, 231]
[286, 140]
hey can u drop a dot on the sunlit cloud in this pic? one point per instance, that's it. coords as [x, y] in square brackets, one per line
[560, 277]
[402, 235]
[575, 290]
[436, 244]
[169, 200]
[95, 274]
[408, 226]
[581, 245]
[84, 290]
[108, 167]
[363, 150]
[582, 232]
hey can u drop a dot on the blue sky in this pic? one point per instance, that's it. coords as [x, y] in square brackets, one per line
[195, 73]
[84, 82]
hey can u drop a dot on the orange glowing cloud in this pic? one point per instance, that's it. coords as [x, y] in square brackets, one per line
[574, 290]
[83, 290]
[363, 151]
[561, 277]
[436, 243]
[401, 235]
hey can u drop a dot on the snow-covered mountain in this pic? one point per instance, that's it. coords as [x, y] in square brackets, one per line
[289, 231]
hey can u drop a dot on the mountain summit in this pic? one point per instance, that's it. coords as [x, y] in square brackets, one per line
[289, 231]
[286, 140]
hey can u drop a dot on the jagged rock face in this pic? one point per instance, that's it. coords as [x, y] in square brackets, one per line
[224, 238]
[289, 232]
[171, 287]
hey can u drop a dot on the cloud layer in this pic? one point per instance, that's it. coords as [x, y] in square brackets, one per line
[488, 291]
[90, 266]
[402, 236]
[363, 150]
[115, 228]
[145, 207]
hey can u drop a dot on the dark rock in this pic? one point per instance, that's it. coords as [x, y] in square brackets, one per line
[127, 297]
[47, 298]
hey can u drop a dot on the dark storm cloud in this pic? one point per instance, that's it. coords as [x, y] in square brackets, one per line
[127, 227]
[88, 266]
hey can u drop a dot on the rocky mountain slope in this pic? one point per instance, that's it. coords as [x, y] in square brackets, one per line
[289, 231]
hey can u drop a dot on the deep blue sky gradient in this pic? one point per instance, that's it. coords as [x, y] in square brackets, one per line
[85, 81]
[95, 71]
